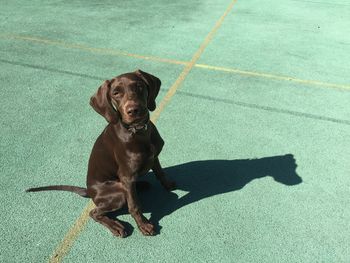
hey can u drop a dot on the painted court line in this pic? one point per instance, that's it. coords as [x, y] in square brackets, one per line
[223, 100]
[92, 49]
[273, 76]
[193, 61]
[67, 242]
[178, 62]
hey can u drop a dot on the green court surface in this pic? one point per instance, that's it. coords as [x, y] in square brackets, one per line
[255, 115]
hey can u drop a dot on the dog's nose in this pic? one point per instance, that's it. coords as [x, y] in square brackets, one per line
[133, 111]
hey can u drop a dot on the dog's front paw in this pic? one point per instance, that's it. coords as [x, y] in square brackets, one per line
[147, 229]
[118, 230]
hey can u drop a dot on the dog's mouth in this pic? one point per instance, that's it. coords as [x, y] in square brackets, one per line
[139, 120]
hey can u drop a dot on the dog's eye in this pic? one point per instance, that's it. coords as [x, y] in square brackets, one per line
[116, 92]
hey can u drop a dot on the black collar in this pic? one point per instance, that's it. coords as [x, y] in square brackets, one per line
[135, 128]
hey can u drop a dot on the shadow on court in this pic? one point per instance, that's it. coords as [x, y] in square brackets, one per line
[203, 179]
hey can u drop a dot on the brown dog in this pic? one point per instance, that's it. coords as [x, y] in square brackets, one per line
[127, 148]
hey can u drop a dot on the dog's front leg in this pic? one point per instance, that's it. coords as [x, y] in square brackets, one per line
[134, 209]
[158, 171]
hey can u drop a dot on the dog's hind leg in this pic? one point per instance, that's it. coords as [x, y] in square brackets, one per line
[109, 201]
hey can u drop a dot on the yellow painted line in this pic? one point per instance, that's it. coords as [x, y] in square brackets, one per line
[272, 76]
[178, 62]
[191, 64]
[105, 51]
[65, 245]
[67, 242]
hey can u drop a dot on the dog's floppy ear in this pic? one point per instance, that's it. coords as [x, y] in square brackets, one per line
[101, 103]
[153, 83]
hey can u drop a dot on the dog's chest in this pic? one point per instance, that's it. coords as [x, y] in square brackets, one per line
[141, 158]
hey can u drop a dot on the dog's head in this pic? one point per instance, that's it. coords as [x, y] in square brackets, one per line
[128, 97]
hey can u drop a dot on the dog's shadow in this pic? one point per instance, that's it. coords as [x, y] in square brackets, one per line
[203, 179]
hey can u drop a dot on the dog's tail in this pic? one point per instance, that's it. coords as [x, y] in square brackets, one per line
[75, 189]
